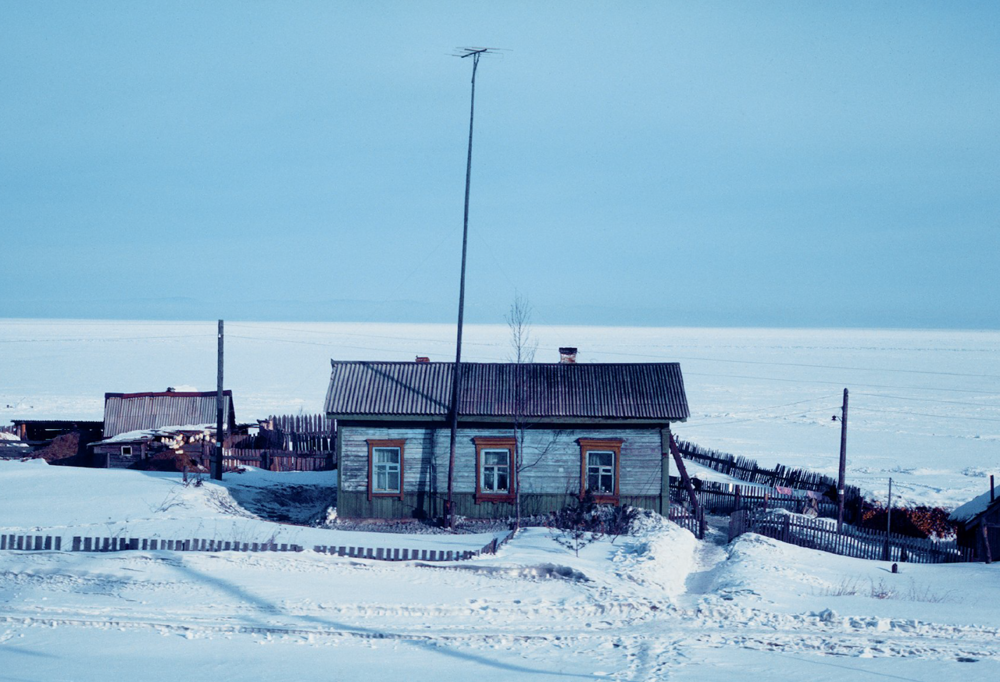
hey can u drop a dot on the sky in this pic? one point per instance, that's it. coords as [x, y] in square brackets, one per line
[634, 163]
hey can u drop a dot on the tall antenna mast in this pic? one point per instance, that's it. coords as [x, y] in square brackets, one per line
[456, 385]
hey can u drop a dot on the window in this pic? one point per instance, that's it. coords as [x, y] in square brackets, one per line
[385, 468]
[600, 465]
[494, 469]
[601, 471]
[126, 451]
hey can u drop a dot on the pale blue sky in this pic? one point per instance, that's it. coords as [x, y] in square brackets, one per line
[751, 163]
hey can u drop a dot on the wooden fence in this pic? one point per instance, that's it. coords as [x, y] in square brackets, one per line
[718, 501]
[748, 470]
[398, 554]
[40, 543]
[286, 443]
[685, 519]
[276, 460]
[853, 542]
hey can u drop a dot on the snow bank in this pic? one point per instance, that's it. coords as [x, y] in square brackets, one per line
[660, 554]
[70, 501]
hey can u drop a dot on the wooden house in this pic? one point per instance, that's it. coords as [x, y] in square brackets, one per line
[138, 426]
[979, 524]
[597, 427]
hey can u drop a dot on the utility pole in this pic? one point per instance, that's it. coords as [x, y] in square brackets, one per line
[888, 511]
[843, 465]
[456, 384]
[219, 434]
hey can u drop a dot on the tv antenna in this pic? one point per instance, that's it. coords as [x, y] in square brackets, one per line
[456, 385]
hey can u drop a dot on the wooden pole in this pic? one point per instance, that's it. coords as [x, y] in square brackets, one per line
[219, 433]
[987, 552]
[843, 465]
[685, 479]
[456, 385]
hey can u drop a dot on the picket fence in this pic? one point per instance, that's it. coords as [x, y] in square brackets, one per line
[718, 501]
[749, 470]
[685, 519]
[275, 460]
[40, 543]
[853, 542]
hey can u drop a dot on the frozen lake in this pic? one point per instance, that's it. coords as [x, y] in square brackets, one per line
[924, 406]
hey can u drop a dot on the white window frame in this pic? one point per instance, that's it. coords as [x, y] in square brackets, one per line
[126, 451]
[387, 469]
[601, 470]
[494, 468]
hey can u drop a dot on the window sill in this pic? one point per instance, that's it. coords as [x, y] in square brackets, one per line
[495, 497]
[374, 494]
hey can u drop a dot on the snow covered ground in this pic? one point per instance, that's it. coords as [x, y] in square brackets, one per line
[655, 606]
[924, 407]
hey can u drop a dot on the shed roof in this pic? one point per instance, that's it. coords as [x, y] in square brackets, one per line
[136, 411]
[562, 392]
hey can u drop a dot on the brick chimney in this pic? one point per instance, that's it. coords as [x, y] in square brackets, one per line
[421, 358]
[567, 355]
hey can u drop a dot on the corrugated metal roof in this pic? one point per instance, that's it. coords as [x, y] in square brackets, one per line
[135, 411]
[646, 391]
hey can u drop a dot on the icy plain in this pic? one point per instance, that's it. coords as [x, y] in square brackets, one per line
[924, 405]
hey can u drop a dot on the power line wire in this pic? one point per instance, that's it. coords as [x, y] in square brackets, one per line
[929, 400]
[839, 383]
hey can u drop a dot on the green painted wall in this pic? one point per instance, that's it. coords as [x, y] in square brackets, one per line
[421, 505]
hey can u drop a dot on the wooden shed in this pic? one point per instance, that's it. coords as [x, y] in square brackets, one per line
[139, 425]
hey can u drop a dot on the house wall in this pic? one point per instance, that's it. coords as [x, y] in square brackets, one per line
[971, 535]
[550, 482]
[110, 456]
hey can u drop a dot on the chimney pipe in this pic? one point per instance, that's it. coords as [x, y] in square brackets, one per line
[567, 355]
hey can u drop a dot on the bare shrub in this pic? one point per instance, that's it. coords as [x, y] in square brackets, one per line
[866, 587]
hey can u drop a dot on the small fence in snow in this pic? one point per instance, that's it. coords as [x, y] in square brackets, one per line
[689, 521]
[715, 500]
[41, 543]
[853, 542]
[276, 460]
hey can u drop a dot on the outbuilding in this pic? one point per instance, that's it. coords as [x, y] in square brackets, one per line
[140, 425]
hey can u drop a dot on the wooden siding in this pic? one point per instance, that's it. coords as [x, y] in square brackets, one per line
[556, 473]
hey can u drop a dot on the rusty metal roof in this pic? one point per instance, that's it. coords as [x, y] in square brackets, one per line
[627, 391]
[125, 412]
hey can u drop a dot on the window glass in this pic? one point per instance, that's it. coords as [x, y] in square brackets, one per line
[601, 471]
[495, 471]
[385, 470]
[387, 456]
